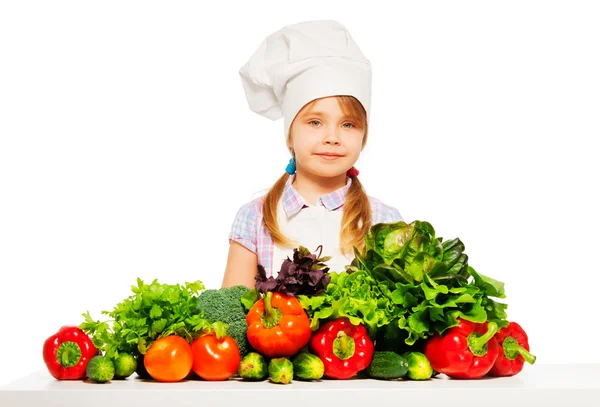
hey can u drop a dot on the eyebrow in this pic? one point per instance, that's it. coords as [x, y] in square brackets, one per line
[323, 114]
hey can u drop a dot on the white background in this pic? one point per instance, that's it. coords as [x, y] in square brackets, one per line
[127, 147]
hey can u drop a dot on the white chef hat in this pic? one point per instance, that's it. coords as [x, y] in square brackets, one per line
[303, 62]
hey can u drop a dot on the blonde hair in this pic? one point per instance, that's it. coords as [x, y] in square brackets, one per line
[356, 219]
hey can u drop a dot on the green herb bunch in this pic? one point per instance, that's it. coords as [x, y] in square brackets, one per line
[153, 311]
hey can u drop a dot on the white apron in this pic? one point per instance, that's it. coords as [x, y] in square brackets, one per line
[311, 227]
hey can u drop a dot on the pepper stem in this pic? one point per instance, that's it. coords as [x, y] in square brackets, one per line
[343, 346]
[478, 344]
[512, 349]
[272, 315]
[68, 354]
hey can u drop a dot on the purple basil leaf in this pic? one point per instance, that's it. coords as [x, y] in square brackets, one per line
[287, 289]
[288, 268]
[315, 276]
[290, 281]
[264, 284]
[268, 285]
[305, 274]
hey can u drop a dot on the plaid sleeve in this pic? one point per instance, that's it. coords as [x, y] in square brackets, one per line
[245, 229]
[392, 215]
[382, 213]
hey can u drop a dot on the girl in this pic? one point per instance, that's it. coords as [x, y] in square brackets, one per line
[314, 76]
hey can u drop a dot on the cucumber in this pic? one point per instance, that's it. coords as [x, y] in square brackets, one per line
[253, 367]
[308, 367]
[387, 365]
[125, 365]
[419, 367]
[281, 370]
[100, 369]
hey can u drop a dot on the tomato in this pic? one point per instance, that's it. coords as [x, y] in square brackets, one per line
[215, 359]
[169, 359]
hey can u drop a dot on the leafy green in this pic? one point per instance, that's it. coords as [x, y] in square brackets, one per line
[409, 277]
[357, 296]
[249, 299]
[153, 311]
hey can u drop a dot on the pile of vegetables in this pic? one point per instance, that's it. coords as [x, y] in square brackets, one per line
[408, 307]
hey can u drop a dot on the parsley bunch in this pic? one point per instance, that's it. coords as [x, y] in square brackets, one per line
[154, 311]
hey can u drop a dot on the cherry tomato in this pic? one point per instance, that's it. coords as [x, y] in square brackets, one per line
[169, 359]
[215, 359]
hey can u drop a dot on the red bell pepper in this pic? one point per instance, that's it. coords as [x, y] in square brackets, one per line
[345, 349]
[67, 353]
[278, 326]
[513, 352]
[466, 351]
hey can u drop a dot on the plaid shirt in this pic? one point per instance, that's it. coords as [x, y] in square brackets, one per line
[249, 230]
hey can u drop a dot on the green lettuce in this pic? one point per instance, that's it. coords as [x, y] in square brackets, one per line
[407, 276]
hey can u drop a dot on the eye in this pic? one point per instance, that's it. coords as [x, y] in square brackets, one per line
[351, 124]
[313, 121]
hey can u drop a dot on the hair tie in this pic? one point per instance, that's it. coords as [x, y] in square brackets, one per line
[352, 172]
[291, 167]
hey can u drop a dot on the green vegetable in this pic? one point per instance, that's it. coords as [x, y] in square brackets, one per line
[387, 365]
[357, 296]
[281, 370]
[125, 365]
[100, 369]
[225, 305]
[253, 367]
[237, 330]
[408, 277]
[308, 366]
[419, 367]
[249, 299]
[391, 338]
[154, 311]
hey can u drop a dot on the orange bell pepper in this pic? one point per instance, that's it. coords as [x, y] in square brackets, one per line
[278, 326]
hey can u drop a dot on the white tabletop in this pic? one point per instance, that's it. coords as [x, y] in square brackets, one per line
[545, 385]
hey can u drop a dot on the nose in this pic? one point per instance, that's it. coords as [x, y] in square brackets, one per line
[332, 137]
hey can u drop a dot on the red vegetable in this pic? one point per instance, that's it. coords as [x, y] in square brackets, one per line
[278, 326]
[513, 352]
[169, 359]
[215, 358]
[345, 349]
[67, 353]
[466, 351]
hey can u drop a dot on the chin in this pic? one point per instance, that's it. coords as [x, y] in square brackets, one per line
[328, 172]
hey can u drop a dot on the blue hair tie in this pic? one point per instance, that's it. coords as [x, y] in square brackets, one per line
[291, 167]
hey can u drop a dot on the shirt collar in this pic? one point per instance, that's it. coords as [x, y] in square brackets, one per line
[293, 201]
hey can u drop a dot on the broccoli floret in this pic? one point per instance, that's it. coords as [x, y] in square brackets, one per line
[237, 330]
[225, 305]
[237, 290]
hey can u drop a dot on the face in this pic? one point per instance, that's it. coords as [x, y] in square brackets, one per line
[326, 143]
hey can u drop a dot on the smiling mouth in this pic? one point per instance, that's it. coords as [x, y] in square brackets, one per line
[330, 156]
